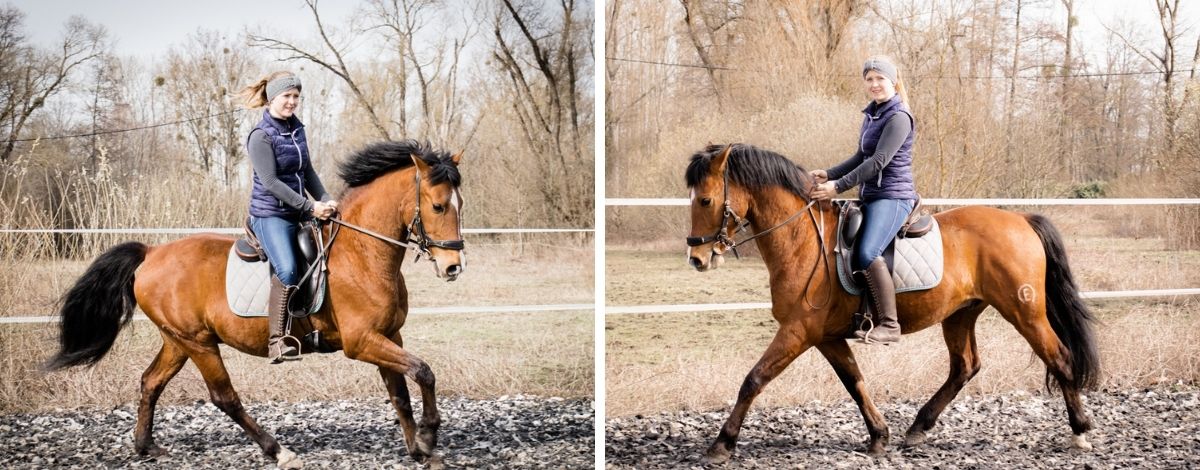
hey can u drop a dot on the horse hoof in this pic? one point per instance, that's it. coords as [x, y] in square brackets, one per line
[715, 456]
[914, 439]
[876, 449]
[1079, 442]
[153, 450]
[287, 459]
[435, 463]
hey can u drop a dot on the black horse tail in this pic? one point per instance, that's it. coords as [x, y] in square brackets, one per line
[1069, 317]
[97, 306]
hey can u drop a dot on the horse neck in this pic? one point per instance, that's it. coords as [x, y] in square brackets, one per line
[385, 206]
[792, 245]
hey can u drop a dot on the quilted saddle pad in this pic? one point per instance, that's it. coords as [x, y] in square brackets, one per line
[248, 287]
[917, 265]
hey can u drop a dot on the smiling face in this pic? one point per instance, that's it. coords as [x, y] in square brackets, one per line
[878, 87]
[284, 105]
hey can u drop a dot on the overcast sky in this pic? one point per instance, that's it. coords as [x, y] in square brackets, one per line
[147, 28]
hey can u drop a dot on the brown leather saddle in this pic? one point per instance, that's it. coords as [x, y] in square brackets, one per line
[309, 239]
[850, 218]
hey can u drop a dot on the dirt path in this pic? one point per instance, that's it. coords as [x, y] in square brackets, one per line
[509, 432]
[1157, 428]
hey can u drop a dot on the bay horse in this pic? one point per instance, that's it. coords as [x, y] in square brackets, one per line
[1014, 262]
[180, 286]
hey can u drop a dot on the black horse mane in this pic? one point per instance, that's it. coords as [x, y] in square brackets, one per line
[752, 168]
[382, 157]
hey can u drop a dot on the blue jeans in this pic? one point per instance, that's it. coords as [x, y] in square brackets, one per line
[882, 218]
[278, 239]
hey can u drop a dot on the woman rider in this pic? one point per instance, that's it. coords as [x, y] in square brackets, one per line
[283, 170]
[882, 168]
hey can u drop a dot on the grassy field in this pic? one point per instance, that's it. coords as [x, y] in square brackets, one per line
[658, 362]
[473, 355]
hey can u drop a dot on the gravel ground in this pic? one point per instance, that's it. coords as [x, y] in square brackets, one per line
[1155, 429]
[509, 432]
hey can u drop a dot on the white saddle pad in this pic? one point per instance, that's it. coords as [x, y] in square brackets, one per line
[918, 263]
[247, 286]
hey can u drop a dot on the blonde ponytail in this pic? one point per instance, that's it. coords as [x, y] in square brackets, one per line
[254, 95]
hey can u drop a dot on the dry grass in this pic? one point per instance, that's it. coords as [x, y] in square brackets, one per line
[479, 355]
[660, 362]
[697, 361]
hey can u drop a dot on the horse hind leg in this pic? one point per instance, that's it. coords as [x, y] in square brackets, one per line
[1046, 345]
[959, 332]
[169, 361]
[839, 355]
[208, 360]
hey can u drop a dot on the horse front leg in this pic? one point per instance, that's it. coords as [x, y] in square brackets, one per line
[398, 363]
[169, 361]
[839, 355]
[397, 388]
[788, 343]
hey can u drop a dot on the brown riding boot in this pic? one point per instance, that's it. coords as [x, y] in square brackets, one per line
[883, 295]
[278, 350]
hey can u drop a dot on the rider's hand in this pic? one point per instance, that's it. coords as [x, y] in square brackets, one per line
[322, 210]
[824, 191]
[819, 175]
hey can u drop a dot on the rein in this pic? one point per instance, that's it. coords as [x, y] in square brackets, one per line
[721, 236]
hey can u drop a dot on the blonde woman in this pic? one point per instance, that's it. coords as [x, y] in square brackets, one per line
[882, 169]
[283, 171]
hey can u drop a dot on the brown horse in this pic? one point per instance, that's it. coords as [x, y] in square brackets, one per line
[181, 287]
[1013, 262]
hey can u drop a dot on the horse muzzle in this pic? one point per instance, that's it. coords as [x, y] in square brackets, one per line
[714, 261]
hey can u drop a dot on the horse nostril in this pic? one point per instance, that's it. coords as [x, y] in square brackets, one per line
[695, 262]
[454, 270]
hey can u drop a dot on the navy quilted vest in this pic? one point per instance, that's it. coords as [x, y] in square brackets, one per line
[896, 179]
[291, 156]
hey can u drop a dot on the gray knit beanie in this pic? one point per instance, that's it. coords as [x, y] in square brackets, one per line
[881, 65]
[282, 84]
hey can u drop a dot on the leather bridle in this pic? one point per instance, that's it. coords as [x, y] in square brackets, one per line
[740, 224]
[415, 237]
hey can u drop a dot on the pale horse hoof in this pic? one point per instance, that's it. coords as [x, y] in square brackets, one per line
[1080, 442]
[288, 459]
[435, 463]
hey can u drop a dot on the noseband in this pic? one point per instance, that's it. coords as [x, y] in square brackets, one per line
[722, 235]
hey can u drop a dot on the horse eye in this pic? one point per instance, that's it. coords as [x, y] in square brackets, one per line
[705, 202]
[438, 208]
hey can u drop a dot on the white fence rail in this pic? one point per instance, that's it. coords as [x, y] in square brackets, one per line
[618, 201]
[237, 231]
[633, 309]
[412, 311]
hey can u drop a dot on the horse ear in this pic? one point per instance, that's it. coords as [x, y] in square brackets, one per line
[717, 166]
[420, 162]
[456, 158]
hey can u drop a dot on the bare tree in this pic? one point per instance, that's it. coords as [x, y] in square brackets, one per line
[335, 64]
[538, 55]
[33, 76]
[202, 79]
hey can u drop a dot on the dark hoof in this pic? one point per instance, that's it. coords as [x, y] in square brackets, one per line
[914, 439]
[152, 450]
